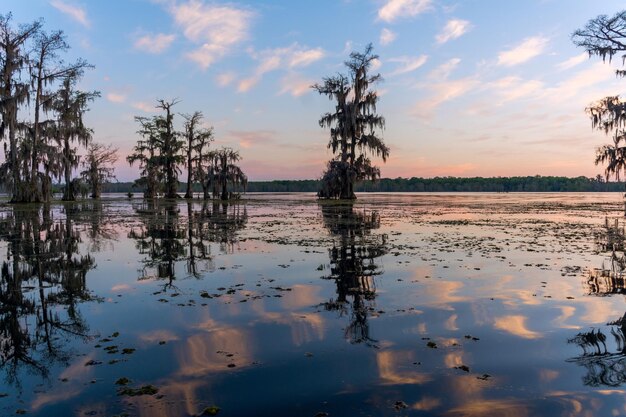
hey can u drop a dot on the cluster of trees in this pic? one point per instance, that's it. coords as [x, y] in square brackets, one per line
[162, 151]
[353, 126]
[416, 184]
[41, 113]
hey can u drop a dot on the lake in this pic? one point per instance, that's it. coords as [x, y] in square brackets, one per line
[279, 305]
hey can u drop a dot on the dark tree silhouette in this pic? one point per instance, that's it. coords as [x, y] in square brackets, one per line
[70, 106]
[145, 154]
[605, 37]
[159, 152]
[14, 92]
[47, 68]
[223, 172]
[353, 127]
[197, 141]
[98, 167]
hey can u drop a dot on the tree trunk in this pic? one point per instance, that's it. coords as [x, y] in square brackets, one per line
[224, 192]
[205, 190]
[189, 194]
[68, 193]
[15, 168]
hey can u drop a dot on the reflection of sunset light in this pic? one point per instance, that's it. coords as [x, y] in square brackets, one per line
[515, 325]
[488, 408]
[388, 363]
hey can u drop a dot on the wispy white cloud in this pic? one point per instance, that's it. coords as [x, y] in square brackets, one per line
[154, 44]
[217, 28]
[525, 51]
[295, 85]
[75, 12]
[408, 64]
[455, 28]
[575, 85]
[116, 97]
[376, 64]
[443, 71]
[441, 93]
[514, 88]
[387, 36]
[225, 79]
[573, 61]
[442, 89]
[291, 57]
[144, 106]
[251, 138]
[394, 9]
[305, 57]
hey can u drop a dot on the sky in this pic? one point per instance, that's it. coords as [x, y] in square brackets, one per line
[470, 88]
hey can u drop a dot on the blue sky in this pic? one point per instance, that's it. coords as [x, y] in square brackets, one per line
[480, 87]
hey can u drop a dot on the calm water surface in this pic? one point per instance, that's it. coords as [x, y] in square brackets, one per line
[397, 305]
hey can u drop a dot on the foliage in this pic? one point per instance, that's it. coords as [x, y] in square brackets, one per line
[35, 82]
[98, 167]
[144, 153]
[70, 104]
[198, 141]
[352, 126]
[605, 37]
[223, 172]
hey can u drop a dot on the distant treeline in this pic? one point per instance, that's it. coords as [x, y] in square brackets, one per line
[437, 184]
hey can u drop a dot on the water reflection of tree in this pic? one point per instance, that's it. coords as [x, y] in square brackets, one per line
[353, 265]
[100, 230]
[166, 238]
[609, 278]
[42, 281]
[604, 350]
[603, 357]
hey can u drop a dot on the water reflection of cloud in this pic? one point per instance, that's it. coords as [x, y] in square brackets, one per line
[450, 323]
[426, 404]
[516, 325]
[566, 313]
[488, 408]
[547, 375]
[453, 359]
[443, 293]
[121, 288]
[389, 363]
[304, 327]
[208, 352]
[598, 310]
[158, 336]
[63, 393]
[301, 296]
[186, 403]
